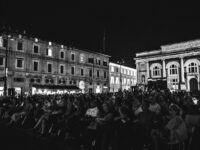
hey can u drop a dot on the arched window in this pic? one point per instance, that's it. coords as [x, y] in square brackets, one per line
[143, 78]
[192, 68]
[173, 69]
[156, 71]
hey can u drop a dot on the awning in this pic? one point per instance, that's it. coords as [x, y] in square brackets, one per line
[63, 87]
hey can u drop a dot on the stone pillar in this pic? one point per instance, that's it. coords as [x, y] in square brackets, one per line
[182, 71]
[147, 69]
[164, 69]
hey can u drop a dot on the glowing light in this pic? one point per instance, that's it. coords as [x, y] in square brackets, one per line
[36, 40]
[62, 46]
[50, 43]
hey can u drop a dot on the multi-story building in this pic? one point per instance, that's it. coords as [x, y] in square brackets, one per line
[41, 65]
[121, 77]
[177, 65]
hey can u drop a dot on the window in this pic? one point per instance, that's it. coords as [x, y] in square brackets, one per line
[62, 55]
[35, 49]
[82, 72]
[62, 69]
[112, 80]
[81, 58]
[97, 73]
[117, 69]
[1, 61]
[5, 42]
[124, 80]
[173, 69]
[174, 81]
[104, 74]
[49, 67]
[72, 70]
[35, 65]
[18, 79]
[91, 60]
[49, 51]
[143, 78]
[105, 63]
[117, 80]
[156, 71]
[90, 72]
[124, 71]
[19, 46]
[128, 81]
[132, 82]
[72, 57]
[20, 63]
[192, 67]
[112, 68]
[99, 62]
[1, 42]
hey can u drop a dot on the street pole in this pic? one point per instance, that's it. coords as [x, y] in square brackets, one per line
[120, 78]
[6, 68]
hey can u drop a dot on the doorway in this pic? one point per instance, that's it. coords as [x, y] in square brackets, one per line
[193, 85]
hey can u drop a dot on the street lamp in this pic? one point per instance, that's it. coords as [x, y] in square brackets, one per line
[120, 74]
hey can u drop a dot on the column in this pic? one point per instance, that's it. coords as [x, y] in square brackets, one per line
[147, 68]
[182, 71]
[164, 69]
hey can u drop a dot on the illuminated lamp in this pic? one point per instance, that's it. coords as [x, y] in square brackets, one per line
[62, 46]
[36, 40]
[50, 43]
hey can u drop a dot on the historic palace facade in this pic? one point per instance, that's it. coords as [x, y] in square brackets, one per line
[121, 77]
[32, 62]
[177, 64]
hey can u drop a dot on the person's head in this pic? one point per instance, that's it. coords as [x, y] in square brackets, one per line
[145, 106]
[106, 107]
[174, 110]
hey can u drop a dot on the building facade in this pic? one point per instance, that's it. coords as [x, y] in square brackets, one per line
[31, 61]
[178, 64]
[121, 77]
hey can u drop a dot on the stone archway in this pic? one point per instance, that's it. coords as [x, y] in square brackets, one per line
[193, 84]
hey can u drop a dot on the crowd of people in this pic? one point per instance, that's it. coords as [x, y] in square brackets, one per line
[132, 120]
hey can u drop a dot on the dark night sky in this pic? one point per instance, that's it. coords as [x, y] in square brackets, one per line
[130, 27]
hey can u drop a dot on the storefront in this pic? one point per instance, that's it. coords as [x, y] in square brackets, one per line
[54, 89]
